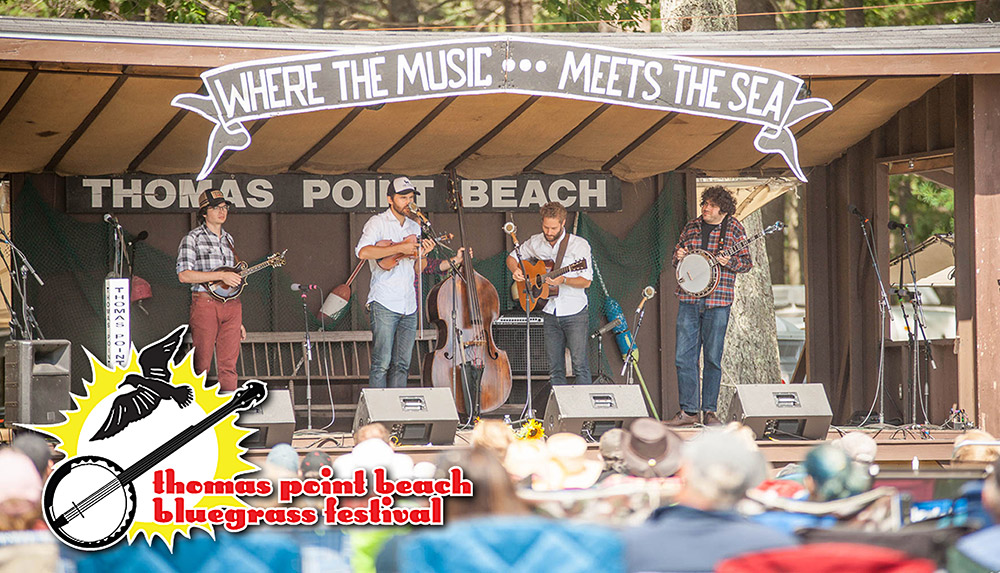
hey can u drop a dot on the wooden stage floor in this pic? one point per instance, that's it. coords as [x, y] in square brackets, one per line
[896, 447]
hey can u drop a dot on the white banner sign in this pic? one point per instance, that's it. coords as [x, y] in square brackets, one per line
[296, 84]
[117, 321]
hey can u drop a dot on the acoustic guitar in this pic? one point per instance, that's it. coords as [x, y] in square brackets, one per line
[221, 291]
[89, 502]
[541, 291]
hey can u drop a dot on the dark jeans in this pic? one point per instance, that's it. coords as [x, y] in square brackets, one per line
[393, 335]
[562, 332]
[699, 327]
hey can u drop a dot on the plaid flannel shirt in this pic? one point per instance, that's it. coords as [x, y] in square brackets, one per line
[201, 250]
[739, 263]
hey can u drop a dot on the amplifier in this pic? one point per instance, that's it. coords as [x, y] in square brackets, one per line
[509, 335]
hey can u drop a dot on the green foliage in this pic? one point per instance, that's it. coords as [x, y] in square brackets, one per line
[629, 15]
[897, 13]
[927, 207]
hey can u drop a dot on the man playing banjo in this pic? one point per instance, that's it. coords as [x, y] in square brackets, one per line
[704, 311]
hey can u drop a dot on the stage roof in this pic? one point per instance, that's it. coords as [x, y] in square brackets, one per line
[90, 97]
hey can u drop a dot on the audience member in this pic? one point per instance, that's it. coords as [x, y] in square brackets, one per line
[313, 463]
[283, 461]
[25, 544]
[982, 548]
[651, 449]
[832, 474]
[37, 450]
[703, 529]
[859, 446]
[374, 430]
[612, 451]
[524, 460]
[370, 454]
[493, 435]
[568, 466]
[975, 454]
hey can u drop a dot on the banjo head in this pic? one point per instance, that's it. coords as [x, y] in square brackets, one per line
[697, 273]
[88, 525]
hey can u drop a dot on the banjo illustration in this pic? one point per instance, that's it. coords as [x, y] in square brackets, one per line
[698, 271]
[89, 502]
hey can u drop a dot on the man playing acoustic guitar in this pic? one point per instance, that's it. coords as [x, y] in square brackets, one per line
[392, 298]
[566, 315]
[216, 326]
[702, 321]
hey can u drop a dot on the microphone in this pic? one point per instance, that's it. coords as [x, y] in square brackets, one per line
[897, 225]
[109, 218]
[609, 326]
[142, 236]
[413, 209]
[647, 293]
[511, 229]
[296, 287]
[853, 209]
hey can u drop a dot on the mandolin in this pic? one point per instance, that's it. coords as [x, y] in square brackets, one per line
[221, 291]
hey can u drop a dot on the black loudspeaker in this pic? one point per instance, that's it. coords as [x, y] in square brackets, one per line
[590, 410]
[782, 410]
[36, 382]
[509, 334]
[414, 416]
[274, 421]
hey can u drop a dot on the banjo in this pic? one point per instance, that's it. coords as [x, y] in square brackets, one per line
[89, 502]
[698, 272]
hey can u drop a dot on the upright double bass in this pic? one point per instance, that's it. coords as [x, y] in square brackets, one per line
[467, 359]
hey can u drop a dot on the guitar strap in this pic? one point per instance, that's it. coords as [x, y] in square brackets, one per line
[562, 251]
[722, 233]
[229, 243]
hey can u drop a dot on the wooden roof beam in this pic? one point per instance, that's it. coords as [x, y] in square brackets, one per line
[326, 139]
[87, 122]
[411, 134]
[19, 92]
[715, 143]
[565, 139]
[638, 141]
[492, 133]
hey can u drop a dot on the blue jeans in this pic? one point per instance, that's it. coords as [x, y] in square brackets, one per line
[699, 327]
[393, 335]
[562, 332]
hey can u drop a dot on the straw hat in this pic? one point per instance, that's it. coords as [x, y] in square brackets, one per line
[568, 466]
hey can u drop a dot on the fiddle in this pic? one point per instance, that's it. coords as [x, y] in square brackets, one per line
[390, 262]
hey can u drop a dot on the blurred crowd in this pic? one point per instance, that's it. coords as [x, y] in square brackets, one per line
[649, 501]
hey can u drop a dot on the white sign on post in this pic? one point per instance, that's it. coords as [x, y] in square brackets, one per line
[117, 321]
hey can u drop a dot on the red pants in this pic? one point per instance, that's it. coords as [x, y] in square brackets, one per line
[215, 327]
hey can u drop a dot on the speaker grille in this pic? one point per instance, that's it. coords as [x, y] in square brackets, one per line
[509, 334]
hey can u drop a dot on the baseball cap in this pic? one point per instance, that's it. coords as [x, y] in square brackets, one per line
[402, 185]
[211, 198]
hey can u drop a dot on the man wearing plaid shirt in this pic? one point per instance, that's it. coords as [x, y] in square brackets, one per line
[702, 322]
[216, 326]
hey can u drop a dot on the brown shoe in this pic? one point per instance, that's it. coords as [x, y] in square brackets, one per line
[682, 419]
[711, 419]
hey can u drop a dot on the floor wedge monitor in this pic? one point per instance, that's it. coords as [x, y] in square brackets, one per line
[414, 416]
[37, 381]
[778, 411]
[592, 409]
[274, 421]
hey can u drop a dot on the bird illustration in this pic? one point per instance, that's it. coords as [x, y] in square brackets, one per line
[151, 387]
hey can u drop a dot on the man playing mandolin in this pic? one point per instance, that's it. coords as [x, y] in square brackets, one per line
[566, 315]
[216, 326]
[392, 298]
[702, 320]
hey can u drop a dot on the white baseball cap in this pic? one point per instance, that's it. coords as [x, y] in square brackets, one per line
[402, 185]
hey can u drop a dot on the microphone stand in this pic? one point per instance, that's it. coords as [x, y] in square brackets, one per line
[19, 269]
[529, 300]
[883, 312]
[918, 322]
[307, 359]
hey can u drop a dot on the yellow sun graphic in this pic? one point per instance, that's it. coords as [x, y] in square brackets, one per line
[215, 454]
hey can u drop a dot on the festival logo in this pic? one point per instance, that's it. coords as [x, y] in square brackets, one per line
[136, 424]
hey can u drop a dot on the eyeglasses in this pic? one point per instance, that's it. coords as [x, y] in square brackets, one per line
[221, 207]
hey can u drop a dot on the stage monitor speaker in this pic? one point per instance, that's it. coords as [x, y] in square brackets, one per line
[36, 381]
[592, 409]
[414, 416]
[782, 410]
[274, 421]
[509, 334]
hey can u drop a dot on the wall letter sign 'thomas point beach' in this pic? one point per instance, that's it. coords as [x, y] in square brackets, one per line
[267, 88]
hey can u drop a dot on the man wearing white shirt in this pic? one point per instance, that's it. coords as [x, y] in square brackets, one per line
[566, 316]
[392, 298]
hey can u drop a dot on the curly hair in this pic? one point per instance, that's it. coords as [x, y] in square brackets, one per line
[720, 196]
[553, 210]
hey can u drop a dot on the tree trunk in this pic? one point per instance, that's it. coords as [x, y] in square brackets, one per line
[755, 22]
[988, 10]
[519, 15]
[854, 18]
[775, 211]
[751, 351]
[698, 15]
